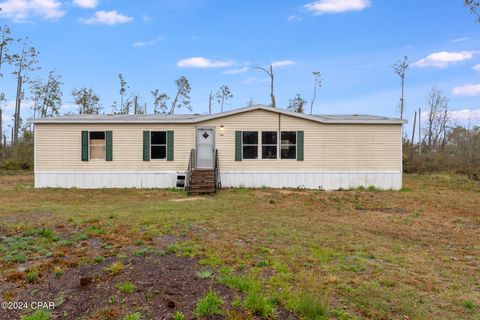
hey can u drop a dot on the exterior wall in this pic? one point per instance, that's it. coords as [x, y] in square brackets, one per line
[336, 155]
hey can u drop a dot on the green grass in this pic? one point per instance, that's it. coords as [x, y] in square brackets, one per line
[125, 287]
[210, 304]
[32, 276]
[204, 274]
[310, 307]
[39, 314]
[132, 316]
[258, 305]
[178, 316]
[368, 247]
[114, 268]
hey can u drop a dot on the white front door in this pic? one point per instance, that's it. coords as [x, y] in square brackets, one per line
[205, 147]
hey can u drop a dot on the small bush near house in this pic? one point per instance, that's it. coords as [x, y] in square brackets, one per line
[211, 304]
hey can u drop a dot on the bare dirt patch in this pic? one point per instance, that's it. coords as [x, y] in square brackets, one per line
[163, 285]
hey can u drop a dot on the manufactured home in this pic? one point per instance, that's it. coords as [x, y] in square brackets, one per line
[256, 146]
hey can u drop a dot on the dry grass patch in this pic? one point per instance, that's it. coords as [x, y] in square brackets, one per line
[359, 253]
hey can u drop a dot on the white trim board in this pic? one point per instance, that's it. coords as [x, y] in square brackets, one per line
[234, 179]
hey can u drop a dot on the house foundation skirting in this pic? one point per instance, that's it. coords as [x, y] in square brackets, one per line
[327, 180]
[98, 180]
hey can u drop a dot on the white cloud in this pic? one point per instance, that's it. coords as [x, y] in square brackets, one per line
[199, 62]
[462, 39]
[336, 6]
[476, 67]
[236, 71]
[294, 18]
[443, 59]
[282, 63]
[87, 4]
[467, 90]
[22, 10]
[148, 43]
[249, 80]
[465, 115]
[107, 17]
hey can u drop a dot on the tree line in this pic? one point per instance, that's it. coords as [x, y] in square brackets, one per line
[442, 144]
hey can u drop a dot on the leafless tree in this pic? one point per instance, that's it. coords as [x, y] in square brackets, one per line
[269, 71]
[400, 67]
[318, 82]
[297, 104]
[437, 117]
[182, 97]
[473, 6]
[223, 95]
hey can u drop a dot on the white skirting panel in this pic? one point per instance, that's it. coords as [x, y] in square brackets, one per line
[230, 179]
[312, 180]
[96, 180]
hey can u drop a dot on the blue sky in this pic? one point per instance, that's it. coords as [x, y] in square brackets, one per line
[353, 43]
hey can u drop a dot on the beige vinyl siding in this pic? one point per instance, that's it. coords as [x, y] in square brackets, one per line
[328, 147]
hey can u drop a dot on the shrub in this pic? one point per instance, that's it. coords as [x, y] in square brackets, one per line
[40, 314]
[58, 272]
[178, 316]
[32, 276]
[132, 316]
[469, 305]
[114, 268]
[126, 287]
[98, 259]
[211, 304]
[258, 304]
[309, 307]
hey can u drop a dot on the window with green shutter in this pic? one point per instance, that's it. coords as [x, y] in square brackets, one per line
[84, 145]
[108, 146]
[170, 145]
[146, 145]
[238, 145]
[300, 143]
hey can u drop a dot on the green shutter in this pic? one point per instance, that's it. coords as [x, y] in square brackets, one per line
[146, 145]
[300, 145]
[108, 146]
[84, 145]
[170, 145]
[238, 145]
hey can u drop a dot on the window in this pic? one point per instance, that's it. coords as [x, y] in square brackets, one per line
[250, 144]
[288, 148]
[158, 145]
[97, 145]
[269, 145]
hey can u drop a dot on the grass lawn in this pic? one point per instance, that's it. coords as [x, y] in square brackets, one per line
[359, 254]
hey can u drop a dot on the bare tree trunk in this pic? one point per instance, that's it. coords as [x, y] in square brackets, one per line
[174, 103]
[270, 74]
[414, 123]
[1, 135]
[271, 87]
[210, 97]
[401, 100]
[4, 150]
[420, 130]
[313, 99]
[17, 115]
[136, 104]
